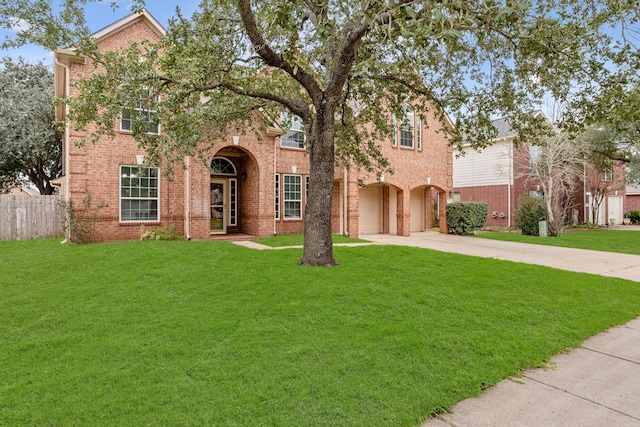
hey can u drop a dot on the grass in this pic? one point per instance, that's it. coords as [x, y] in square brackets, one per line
[298, 240]
[209, 333]
[619, 241]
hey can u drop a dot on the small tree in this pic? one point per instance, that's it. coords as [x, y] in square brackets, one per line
[30, 146]
[556, 164]
[529, 212]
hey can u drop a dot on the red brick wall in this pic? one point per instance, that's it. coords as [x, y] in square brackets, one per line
[94, 169]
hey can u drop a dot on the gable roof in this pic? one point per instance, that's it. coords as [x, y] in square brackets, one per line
[127, 21]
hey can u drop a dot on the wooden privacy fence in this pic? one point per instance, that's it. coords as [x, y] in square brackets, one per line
[30, 217]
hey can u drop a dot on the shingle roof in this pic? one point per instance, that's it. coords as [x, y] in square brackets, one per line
[504, 128]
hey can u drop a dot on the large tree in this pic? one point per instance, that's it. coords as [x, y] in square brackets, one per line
[30, 146]
[341, 65]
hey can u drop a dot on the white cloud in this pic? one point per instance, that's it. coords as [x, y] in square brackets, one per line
[18, 25]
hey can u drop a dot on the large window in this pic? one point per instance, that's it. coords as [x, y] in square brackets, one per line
[295, 137]
[293, 196]
[145, 112]
[139, 194]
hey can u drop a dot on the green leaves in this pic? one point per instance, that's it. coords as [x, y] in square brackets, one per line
[30, 146]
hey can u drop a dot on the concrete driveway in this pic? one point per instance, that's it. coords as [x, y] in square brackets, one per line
[595, 385]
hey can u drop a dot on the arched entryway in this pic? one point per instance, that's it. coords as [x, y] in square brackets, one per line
[233, 192]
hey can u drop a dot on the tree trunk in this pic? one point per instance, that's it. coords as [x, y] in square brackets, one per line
[318, 247]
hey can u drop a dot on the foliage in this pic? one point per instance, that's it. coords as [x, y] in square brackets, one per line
[634, 216]
[79, 223]
[342, 66]
[555, 163]
[153, 333]
[465, 217]
[529, 212]
[166, 232]
[30, 146]
[584, 237]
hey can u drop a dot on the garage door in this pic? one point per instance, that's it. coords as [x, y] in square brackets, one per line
[417, 210]
[370, 208]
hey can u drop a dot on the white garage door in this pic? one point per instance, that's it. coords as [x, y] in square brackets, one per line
[370, 209]
[417, 210]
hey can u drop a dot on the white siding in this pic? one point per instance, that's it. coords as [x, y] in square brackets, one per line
[489, 167]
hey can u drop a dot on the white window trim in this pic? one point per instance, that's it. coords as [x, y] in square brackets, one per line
[411, 122]
[151, 112]
[233, 202]
[121, 198]
[234, 173]
[285, 200]
[296, 126]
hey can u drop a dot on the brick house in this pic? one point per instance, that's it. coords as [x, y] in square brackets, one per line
[497, 175]
[249, 185]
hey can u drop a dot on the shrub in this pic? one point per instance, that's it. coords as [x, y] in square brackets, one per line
[465, 217]
[528, 214]
[79, 223]
[167, 232]
[634, 216]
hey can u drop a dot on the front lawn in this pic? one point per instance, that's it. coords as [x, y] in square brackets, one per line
[626, 242]
[298, 240]
[210, 333]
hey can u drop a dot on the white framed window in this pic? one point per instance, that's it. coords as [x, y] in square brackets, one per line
[139, 194]
[295, 137]
[233, 201]
[277, 196]
[418, 132]
[407, 129]
[292, 196]
[145, 110]
[223, 166]
[607, 174]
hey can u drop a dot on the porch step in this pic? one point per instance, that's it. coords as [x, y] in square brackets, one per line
[233, 237]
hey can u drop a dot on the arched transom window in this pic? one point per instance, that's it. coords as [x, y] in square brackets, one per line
[222, 166]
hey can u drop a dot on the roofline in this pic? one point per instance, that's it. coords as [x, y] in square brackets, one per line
[128, 21]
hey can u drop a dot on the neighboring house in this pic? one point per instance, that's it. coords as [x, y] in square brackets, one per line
[497, 175]
[24, 190]
[632, 198]
[250, 186]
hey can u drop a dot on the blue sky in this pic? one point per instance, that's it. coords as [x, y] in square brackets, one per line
[100, 15]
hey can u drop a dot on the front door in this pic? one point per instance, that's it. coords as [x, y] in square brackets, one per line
[218, 206]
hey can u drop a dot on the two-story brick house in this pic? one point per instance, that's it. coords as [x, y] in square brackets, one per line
[499, 175]
[249, 185]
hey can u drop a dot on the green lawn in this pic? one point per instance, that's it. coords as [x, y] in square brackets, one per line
[298, 240]
[626, 242]
[209, 333]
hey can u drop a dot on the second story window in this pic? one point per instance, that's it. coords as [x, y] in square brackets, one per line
[145, 112]
[295, 137]
[407, 130]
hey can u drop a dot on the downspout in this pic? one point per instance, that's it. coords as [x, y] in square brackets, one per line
[584, 191]
[345, 203]
[509, 184]
[66, 193]
[276, 142]
[187, 192]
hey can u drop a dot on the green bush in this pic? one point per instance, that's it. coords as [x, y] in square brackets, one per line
[634, 216]
[167, 232]
[529, 212]
[465, 217]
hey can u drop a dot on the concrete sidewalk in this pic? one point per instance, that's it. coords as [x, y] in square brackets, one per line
[595, 385]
